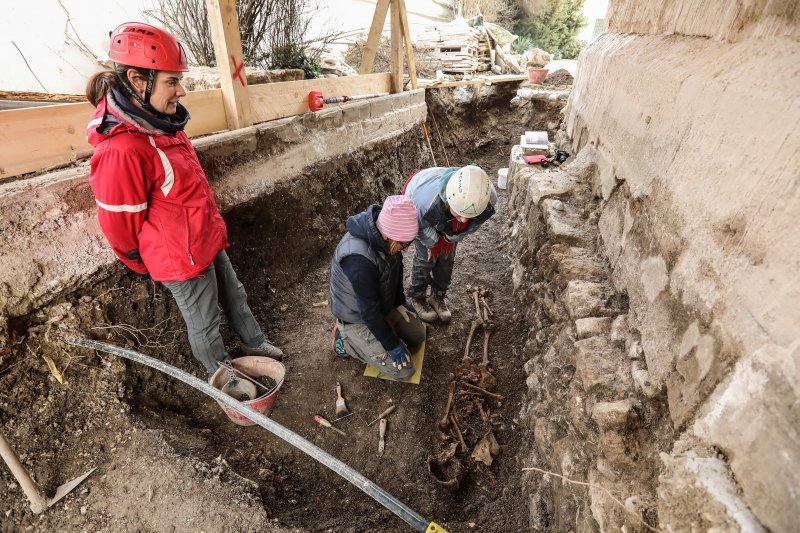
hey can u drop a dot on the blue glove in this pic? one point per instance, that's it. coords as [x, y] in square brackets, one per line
[408, 306]
[400, 356]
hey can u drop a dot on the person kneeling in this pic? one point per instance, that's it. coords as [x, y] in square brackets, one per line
[374, 323]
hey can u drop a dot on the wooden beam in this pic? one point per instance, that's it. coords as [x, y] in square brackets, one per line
[41, 97]
[38, 138]
[271, 101]
[230, 61]
[374, 37]
[412, 68]
[396, 52]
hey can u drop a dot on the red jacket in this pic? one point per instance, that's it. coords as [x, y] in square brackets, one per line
[153, 197]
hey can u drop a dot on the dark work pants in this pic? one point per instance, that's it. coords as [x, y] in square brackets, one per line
[199, 300]
[436, 273]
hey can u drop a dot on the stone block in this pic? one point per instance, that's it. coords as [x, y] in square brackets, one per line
[613, 416]
[550, 183]
[598, 364]
[654, 276]
[573, 263]
[381, 106]
[585, 298]
[620, 330]
[754, 418]
[326, 118]
[356, 111]
[566, 226]
[592, 326]
[584, 164]
[698, 494]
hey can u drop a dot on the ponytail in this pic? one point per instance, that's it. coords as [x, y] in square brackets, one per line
[99, 85]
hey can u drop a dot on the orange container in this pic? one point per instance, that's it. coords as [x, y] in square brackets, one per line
[254, 367]
[537, 75]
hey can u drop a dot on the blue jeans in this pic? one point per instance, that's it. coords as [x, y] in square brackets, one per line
[436, 273]
[199, 300]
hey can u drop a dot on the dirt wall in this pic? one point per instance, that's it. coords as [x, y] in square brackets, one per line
[690, 112]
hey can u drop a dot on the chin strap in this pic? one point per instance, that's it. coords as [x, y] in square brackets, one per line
[148, 91]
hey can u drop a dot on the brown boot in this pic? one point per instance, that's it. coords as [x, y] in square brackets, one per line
[423, 309]
[439, 306]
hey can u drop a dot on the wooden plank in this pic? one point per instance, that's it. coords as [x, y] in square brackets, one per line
[374, 37]
[38, 138]
[230, 61]
[412, 68]
[480, 80]
[271, 101]
[41, 97]
[396, 51]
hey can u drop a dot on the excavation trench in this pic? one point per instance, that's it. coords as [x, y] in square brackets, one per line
[168, 458]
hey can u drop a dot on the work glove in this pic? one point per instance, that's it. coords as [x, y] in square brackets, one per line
[400, 356]
[406, 311]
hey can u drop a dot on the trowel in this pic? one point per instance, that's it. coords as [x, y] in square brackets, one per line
[241, 389]
[37, 497]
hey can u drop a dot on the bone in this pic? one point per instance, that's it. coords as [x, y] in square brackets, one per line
[458, 434]
[485, 392]
[486, 306]
[482, 411]
[472, 329]
[488, 329]
[474, 293]
[443, 422]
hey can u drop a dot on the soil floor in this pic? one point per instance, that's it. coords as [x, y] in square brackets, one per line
[169, 459]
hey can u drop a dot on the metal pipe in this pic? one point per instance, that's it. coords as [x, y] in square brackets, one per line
[374, 491]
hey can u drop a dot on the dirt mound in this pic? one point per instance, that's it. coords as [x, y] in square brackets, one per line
[559, 78]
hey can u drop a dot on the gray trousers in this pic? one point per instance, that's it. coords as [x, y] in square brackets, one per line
[199, 300]
[436, 273]
[360, 343]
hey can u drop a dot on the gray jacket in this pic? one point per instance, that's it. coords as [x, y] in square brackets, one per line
[427, 190]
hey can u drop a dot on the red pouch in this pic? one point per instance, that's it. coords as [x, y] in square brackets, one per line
[533, 159]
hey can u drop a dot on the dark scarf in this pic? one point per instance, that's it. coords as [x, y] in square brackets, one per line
[158, 121]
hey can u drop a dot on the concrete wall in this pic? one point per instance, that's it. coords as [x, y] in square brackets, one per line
[50, 242]
[692, 108]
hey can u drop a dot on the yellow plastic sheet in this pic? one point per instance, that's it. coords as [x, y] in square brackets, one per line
[417, 356]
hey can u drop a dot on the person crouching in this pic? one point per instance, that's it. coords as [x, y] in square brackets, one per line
[374, 323]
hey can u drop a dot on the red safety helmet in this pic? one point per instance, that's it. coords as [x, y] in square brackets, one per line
[137, 44]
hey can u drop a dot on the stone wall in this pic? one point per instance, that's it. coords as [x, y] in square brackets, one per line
[689, 111]
[50, 242]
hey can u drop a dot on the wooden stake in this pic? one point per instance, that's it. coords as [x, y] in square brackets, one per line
[396, 54]
[230, 61]
[374, 37]
[412, 69]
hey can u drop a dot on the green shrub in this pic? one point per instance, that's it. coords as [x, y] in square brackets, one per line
[522, 44]
[293, 57]
[555, 27]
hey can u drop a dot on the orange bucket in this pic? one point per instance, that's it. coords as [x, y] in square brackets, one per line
[537, 75]
[254, 367]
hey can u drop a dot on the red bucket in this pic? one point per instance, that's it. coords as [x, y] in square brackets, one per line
[254, 367]
[537, 75]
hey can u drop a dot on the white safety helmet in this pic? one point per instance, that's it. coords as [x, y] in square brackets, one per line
[467, 191]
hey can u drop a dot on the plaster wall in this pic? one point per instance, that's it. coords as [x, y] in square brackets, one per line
[693, 108]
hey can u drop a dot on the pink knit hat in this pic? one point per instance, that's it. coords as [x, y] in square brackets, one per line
[398, 219]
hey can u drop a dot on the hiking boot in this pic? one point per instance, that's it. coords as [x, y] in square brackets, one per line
[423, 309]
[440, 307]
[265, 349]
[337, 345]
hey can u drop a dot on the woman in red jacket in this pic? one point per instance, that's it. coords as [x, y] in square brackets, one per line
[154, 203]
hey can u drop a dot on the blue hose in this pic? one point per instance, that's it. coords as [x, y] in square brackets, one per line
[378, 494]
